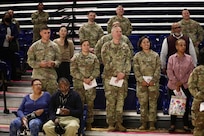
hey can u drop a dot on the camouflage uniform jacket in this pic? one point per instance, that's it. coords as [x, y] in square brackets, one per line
[84, 67]
[147, 64]
[39, 18]
[107, 38]
[125, 25]
[90, 32]
[193, 30]
[196, 83]
[116, 58]
[38, 52]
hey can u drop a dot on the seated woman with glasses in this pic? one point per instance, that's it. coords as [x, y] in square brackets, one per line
[33, 110]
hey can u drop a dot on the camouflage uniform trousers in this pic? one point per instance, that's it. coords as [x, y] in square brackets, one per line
[147, 97]
[115, 97]
[197, 118]
[50, 85]
[88, 97]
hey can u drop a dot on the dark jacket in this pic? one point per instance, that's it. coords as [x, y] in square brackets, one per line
[3, 32]
[73, 103]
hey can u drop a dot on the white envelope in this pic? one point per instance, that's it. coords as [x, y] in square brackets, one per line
[201, 106]
[114, 83]
[147, 78]
[92, 85]
[181, 93]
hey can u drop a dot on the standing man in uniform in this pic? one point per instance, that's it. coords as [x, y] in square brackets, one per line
[125, 23]
[192, 29]
[90, 31]
[39, 19]
[44, 56]
[109, 37]
[115, 56]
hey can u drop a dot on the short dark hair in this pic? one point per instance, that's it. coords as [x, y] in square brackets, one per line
[44, 28]
[83, 41]
[35, 80]
[140, 41]
[201, 57]
[91, 11]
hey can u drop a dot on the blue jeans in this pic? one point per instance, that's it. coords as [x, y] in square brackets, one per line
[35, 126]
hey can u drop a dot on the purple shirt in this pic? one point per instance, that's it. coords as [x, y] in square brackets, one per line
[28, 106]
[179, 69]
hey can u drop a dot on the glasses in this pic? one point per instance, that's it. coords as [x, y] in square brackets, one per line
[36, 84]
[177, 27]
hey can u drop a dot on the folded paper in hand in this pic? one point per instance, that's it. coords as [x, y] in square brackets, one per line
[147, 78]
[116, 83]
[201, 106]
[180, 93]
[91, 85]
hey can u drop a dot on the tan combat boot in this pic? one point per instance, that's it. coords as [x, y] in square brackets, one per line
[143, 126]
[151, 126]
[120, 127]
[88, 127]
[111, 128]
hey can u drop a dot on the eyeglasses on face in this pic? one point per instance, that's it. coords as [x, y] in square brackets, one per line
[37, 84]
[177, 27]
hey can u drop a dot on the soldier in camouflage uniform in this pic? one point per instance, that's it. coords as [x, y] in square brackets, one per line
[196, 88]
[116, 57]
[125, 23]
[39, 19]
[109, 37]
[90, 31]
[44, 56]
[85, 68]
[147, 63]
[192, 29]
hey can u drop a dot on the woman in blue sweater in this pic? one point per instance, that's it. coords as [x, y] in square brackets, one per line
[33, 110]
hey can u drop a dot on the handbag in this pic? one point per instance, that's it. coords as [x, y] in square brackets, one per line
[177, 106]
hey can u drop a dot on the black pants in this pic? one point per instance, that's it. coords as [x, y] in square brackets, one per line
[64, 71]
[185, 116]
[9, 57]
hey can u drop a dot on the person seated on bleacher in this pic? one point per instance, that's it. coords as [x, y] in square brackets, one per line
[169, 47]
[179, 67]
[33, 111]
[65, 111]
[9, 44]
[146, 66]
[125, 23]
